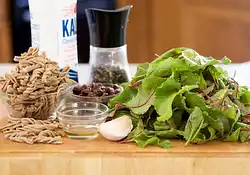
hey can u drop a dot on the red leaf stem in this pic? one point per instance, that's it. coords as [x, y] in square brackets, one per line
[138, 83]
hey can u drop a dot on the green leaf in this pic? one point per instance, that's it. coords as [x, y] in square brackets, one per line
[216, 123]
[206, 134]
[180, 103]
[143, 140]
[165, 96]
[135, 118]
[194, 59]
[127, 94]
[209, 89]
[243, 109]
[242, 125]
[203, 83]
[164, 106]
[218, 97]
[234, 136]
[216, 72]
[247, 108]
[233, 123]
[165, 143]
[175, 52]
[217, 120]
[212, 133]
[121, 113]
[136, 131]
[245, 97]
[141, 72]
[142, 69]
[242, 90]
[199, 138]
[169, 134]
[195, 99]
[244, 136]
[169, 65]
[183, 124]
[230, 109]
[193, 126]
[150, 118]
[145, 96]
[190, 78]
[177, 117]
[161, 126]
[226, 61]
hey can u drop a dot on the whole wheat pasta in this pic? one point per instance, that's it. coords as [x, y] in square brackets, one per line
[34, 86]
[30, 131]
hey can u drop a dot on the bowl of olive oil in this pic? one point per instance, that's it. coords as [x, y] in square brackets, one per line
[81, 120]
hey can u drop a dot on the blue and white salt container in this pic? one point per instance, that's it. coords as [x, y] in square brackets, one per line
[53, 30]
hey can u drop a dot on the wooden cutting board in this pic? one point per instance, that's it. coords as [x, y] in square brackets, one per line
[99, 156]
[102, 157]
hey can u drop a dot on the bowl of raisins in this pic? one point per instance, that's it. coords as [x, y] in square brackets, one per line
[95, 92]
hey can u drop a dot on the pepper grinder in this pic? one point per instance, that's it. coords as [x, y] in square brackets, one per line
[108, 50]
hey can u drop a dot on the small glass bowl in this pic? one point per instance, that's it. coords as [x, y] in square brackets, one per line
[70, 96]
[81, 120]
[39, 107]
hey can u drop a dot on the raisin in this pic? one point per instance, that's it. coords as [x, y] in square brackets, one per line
[96, 90]
[105, 94]
[84, 86]
[117, 91]
[91, 94]
[115, 86]
[77, 90]
[85, 91]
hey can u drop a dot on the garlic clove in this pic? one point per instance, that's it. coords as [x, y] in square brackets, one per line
[116, 129]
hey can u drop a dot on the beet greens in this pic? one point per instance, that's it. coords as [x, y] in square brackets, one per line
[183, 95]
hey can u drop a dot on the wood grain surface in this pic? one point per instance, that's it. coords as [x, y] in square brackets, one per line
[102, 157]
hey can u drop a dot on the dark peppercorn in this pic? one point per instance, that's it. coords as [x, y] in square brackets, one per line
[109, 74]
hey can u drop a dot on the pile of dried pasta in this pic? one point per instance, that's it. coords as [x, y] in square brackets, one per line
[34, 86]
[30, 131]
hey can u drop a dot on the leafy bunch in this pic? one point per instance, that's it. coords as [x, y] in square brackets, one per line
[183, 95]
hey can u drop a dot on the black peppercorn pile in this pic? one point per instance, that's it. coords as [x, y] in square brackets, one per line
[97, 90]
[109, 74]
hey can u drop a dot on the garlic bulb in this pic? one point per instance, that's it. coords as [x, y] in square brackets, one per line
[116, 129]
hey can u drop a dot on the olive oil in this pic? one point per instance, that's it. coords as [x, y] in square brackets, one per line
[82, 132]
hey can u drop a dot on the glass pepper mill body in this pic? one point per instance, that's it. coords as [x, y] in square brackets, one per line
[108, 49]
